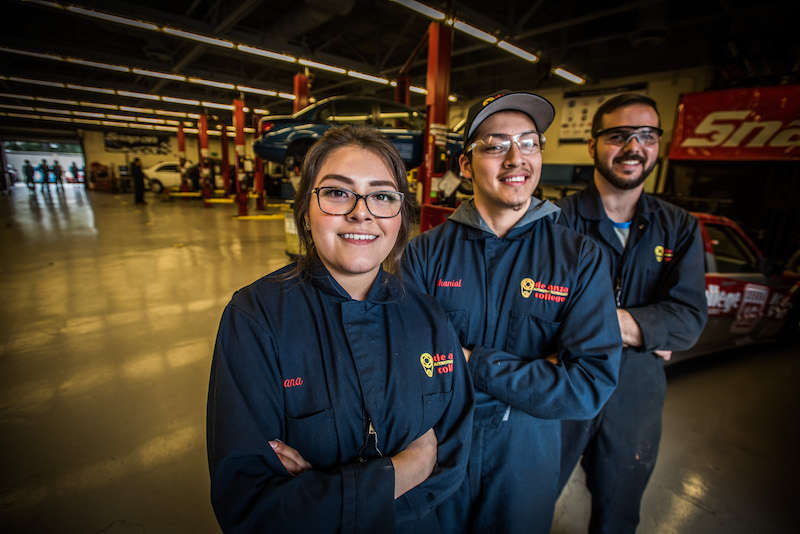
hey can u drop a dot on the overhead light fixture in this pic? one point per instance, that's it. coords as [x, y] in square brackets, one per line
[136, 110]
[138, 95]
[89, 114]
[23, 97]
[36, 82]
[98, 105]
[18, 108]
[198, 37]
[121, 117]
[113, 123]
[323, 66]
[87, 121]
[165, 75]
[45, 3]
[112, 18]
[288, 96]
[22, 116]
[29, 53]
[421, 8]
[367, 77]
[420, 90]
[57, 101]
[170, 113]
[180, 101]
[475, 32]
[574, 78]
[60, 119]
[166, 128]
[93, 89]
[49, 110]
[211, 83]
[151, 120]
[228, 107]
[508, 47]
[266, 53]
[265, 92]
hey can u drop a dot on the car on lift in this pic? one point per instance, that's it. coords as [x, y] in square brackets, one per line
[164, 174]
[751, 299]
[286, 139]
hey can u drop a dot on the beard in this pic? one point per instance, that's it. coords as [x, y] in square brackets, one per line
[618, 181]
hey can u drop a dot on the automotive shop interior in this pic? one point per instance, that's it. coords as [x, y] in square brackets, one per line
[112, 301]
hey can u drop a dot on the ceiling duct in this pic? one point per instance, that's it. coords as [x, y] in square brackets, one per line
[307, 16]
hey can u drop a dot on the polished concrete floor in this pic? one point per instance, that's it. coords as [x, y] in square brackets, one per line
[107, 324]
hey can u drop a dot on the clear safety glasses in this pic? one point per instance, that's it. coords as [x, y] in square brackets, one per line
[498, 145]
[622, 135]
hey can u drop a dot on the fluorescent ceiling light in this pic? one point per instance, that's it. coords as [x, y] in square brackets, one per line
[261, 111]
[112, 18]
[170, 113]
[420, 90]
[150, 120]
[323, 66]
[50, 110]
[171, 122]
[221, 85]
[98, 105]
[108, 66]
[36, 82]
[141, 126]
[22, 116]
[48, 4]
[166, 128]
[367, 77]
[421, 8]
[475, 32]
[254, 90]
[113, 123]
[87, 121]
[18, 108]
[508, 47]
[23, 97]
[32, 54]
[121, 117]
[574, 78]
[166, 75]
[138, 95]
[57, 101]
[451, 98]
[61, 119]
[288, 96]
[89, 114]
[180, 100]
[266, 53]
[218, 106]
[197, 37]
[93, 89]
[193, 115]
[191, 130]
[136, 110]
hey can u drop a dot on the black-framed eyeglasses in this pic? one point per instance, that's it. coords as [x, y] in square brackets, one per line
[622, 135]
[341, 201]
[498, 145]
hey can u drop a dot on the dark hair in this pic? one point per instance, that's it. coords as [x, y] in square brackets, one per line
[621, 101]
[366, 138]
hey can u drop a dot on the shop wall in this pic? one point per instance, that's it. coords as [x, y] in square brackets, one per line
[94, 148]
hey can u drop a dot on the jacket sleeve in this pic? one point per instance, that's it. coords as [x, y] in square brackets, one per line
[250, 489]
[589, 347]
[676, 318]
[454, 434]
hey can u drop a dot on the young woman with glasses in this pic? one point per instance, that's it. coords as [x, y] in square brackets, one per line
[339, 400]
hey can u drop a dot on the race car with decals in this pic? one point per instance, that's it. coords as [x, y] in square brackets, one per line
[750, 299]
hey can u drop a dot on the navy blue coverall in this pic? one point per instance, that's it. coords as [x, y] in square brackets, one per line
[541, 290]
[659, 278]
[300, 361]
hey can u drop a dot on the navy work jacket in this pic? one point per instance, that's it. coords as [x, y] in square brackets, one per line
[659, 277]
[300, 361]
[541, 290]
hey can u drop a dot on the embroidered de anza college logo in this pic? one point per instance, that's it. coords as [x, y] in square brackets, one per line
[542, 291]
[442, 363]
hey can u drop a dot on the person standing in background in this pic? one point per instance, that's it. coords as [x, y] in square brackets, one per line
[654, 251]
[58, 172]
[44, 169]
[29, 171]
[138, 182]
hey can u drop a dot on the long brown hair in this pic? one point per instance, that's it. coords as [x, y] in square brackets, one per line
[366, 138]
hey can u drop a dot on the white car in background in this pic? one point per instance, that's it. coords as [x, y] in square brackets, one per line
[165, 174]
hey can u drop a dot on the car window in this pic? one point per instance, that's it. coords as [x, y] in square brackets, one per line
[352, 112]
[397, 116]
[168, 168]
[731, 253]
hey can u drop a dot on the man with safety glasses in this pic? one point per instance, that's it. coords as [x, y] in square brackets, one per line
[655, 254]
[533, 307]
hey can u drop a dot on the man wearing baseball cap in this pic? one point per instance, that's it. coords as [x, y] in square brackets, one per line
[533, 307]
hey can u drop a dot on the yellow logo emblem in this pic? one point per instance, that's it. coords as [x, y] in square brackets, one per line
[659, 250]
[526, 286]
[427, 363]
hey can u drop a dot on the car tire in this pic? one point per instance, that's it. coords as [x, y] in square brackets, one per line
[156, 187]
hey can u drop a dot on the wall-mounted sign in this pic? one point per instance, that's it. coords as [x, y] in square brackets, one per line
[760, 123]
[579, 109]
[138, 144]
